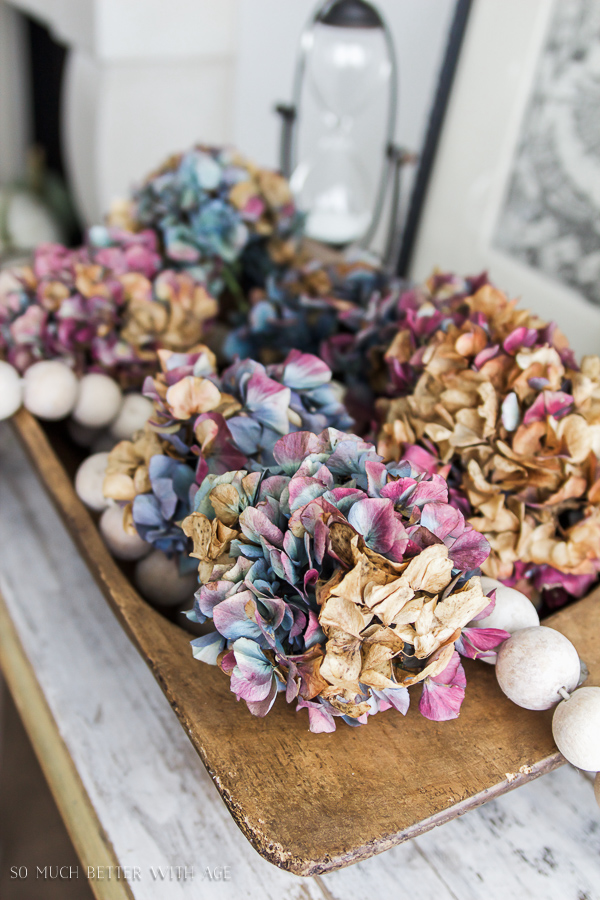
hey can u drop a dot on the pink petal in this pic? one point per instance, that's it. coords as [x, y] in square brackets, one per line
[548, 403]
[520, 337]
[442, 520]
[485, 355]
[479, 642]
[470, 550]
[255, 524]
[443, 695]
[420, 459]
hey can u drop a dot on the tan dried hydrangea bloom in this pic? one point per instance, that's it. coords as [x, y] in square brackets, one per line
[127, 467]
[172, 312]
[521, 427]
[212, 541]
[371, 611]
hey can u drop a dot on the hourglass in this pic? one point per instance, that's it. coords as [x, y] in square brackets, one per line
[337, 138]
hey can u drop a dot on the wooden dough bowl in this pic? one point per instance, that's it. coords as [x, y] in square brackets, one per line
[311, 803]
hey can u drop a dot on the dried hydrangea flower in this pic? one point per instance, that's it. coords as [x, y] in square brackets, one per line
[304, 305]
[349, 313]
[218, 215]
[501, 408]
[105, 306]
[338, 580]
[210, 424]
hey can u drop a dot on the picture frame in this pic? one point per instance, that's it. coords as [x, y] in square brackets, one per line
[504, 131]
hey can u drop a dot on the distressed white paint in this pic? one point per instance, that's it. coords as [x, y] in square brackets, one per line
[156, 802]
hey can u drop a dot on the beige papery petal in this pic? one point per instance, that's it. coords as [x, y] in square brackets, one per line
[192, 396]
[424, 623]
[576, 555]
[342, 663]
[586, 382]
[343, 541]
[575, 433]
[198, 527]
[141, 480]
[471, 342]
[466, 431]
[394, 638]
[124, 458]
[456, 398]
[460, 607]
[128, 523]
[438, 621]
[119, 486]
[349, 586]
[574, 487]
[387, 600]
[401, 347]
[488, 410]
[431, 570]
[241, 192]
[377, 667]
[205, 433]
[339, 613]
[212, 541]
[547, 356]
[225, 500]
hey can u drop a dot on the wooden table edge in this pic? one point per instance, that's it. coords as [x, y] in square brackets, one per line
[77, 812]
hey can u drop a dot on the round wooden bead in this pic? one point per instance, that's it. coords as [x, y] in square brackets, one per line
[534, 664]
[513, 610]
[121, 544]
[89, 481]
[99, 401]
[133, 415]
[11, 390]
[50, 389]
[576, 728]
[158, 580]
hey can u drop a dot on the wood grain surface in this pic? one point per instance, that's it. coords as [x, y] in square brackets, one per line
[313, 803]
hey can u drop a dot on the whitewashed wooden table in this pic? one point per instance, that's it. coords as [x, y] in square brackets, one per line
[134, 794]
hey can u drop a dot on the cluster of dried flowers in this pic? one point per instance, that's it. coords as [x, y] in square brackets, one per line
[304, 305]
[106, 306]
[349, 313]
[338, 580]
[333, 572]
[218, 215]
[501, 408]
[206, 424]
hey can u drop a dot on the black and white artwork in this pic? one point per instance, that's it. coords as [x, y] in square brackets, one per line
[550, 215]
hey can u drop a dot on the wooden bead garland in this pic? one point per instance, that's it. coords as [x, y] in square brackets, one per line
[535, 668]
[11, 390]
[576, 728]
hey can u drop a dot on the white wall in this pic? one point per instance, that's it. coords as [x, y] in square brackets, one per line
[136, 90]
[269, 32]
[15, 125]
